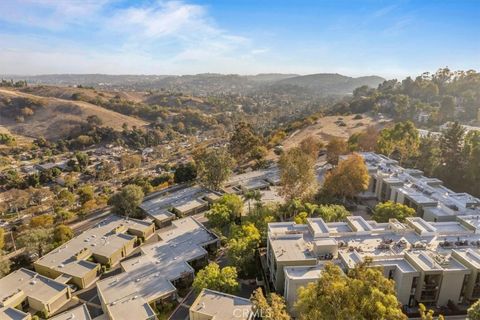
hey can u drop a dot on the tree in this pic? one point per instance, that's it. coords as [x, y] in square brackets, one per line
[127, 200]
[219, 216]
[62, 234]
[250, 195]
[471, 151]
[297, 174]
[311, 145]
[273, 308]
[348, 179]
[364, 141]
[473, 312]
[243, 142]
[428, 155]
[106, 171]
[44, 221]
[242, 247]
[260, 217]
[427, 314]
[85, 193]
[335, 148]
[451, 143]
[214, 167]
[385, 211]
[4, 265]
[65, 198]
[234, 204]
[362, 294]
[130, 161]
[185, 172]
[301, 218]
[215, 278]
[400, 142]
[94, 120]
[63, 215]
[36, 241]
[332, 213]
[447, 109]
[82, 160]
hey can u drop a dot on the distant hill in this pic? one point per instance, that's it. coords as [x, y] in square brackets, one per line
[330, 83]
[50, 117]
[323, 84]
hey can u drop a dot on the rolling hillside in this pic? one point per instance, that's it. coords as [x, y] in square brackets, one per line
[50, 117]
[331, 84]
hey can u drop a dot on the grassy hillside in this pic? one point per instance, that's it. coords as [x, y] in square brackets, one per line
[51, 117]
[331, 83]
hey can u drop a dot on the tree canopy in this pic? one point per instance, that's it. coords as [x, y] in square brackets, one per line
[215, 278]
[363, 294]
[348, 179]
[272, 308]
[297, 174]
[214, 167]
[127, 200]
[388, 210]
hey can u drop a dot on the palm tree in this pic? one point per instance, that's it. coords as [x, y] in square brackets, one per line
[249, 195]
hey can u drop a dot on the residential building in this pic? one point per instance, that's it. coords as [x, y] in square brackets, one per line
[78, 313]
[431, 200]
[78, 260]
[24, 291]
[179, 203]
[155, 275]
[431, 262]
[214, 305]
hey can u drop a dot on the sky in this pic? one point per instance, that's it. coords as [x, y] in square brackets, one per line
[392, 39]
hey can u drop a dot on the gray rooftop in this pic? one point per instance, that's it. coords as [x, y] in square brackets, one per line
[222, 306]
[104, 239]
[183, 200]
[148, 277]
[77, 313]
[28, 283]
[427, 192]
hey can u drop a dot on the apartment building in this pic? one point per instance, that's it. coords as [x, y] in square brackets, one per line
[78, 313]
[431, 200]
[155, 275]
[214, 305]
[24, 291]
[180, 203]
[78, 260]
[430, 262]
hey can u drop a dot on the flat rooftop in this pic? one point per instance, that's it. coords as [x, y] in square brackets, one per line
[428, 192]
[11, 313]
[184, 199]
[219, 305]
[429, 244]
[29, 284]
[77, 313]
[149, 276]
[304, 272]
[104, 239]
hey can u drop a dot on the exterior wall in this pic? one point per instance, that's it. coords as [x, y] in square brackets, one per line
[451, 287]
[46, 271]
[291, 291]
[51, 306]
[280, 274]
[403, 286]
[195, 315]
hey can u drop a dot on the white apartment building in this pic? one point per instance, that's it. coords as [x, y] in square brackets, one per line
[431, 200]
[430, 262]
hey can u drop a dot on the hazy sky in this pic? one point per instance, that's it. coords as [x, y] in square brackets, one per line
[387, 38]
